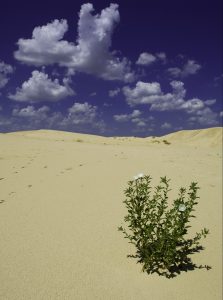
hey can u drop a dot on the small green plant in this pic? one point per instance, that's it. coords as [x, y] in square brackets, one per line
[166, 142]
[79, 140]
[158, 232]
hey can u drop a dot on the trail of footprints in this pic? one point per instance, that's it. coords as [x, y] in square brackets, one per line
[32, 159]
[20, 169]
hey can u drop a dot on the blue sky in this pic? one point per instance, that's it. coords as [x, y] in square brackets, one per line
[122, 68]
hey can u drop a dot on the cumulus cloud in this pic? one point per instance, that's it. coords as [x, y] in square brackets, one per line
[166, 125]
[221, 114]
[90, 53]
[122, 118]
[190, 68]
[151, 94]
[143, 93]
[80, 117]
[83, 114]
[31, 112]
[205, 117]
[46, 45]
[134, 117]
[162, 56]
[146, 59]
[5, 71]
[126, 117]
[113, 93]
[175, 72]
[40, 87]
[210, 102]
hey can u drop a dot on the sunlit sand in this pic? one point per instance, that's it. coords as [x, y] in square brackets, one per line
[61, 199]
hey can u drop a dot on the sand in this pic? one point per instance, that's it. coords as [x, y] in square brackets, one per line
[61, 203]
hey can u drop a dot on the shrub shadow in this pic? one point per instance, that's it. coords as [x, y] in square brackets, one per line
[174, 270]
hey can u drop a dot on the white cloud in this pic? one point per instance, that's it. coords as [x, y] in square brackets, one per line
[80, 117]
[178, 89]
[210, 102]
[161, 56]
[5, 71]
[80, 114]
[122, 118]
[90, 54]
[192, 106]
[175, 101]
[150, 93]
[31, 112]
[136, 113]
[174, 72]
[140, 123]
[221, 114]
[190, 68]
[143, 93]
[40, 87]
[146, 59]
[46, 46]
[134, 117]
[126, 117]
[166, 125]
[205, 117]
[113, 93]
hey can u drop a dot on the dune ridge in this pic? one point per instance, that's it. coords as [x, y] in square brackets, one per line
[212, 136]
[209, 137]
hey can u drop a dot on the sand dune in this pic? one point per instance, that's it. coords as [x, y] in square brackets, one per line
[61, 199]
[209, 137]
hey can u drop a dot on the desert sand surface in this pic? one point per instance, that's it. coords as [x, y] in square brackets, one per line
[61, 199]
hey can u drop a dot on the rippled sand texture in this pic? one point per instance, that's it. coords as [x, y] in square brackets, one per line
[61, 203]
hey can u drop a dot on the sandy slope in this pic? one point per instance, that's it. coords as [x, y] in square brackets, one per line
[61, 202]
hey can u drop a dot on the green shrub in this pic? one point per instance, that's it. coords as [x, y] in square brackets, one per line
[158, 232]
[166, 142]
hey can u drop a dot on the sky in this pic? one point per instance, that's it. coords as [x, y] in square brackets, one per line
[123, 68]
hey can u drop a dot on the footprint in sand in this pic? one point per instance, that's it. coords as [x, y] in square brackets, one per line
[212, 185]
[11, 193]
[69, 169]
[1, 201]
[1, 178]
